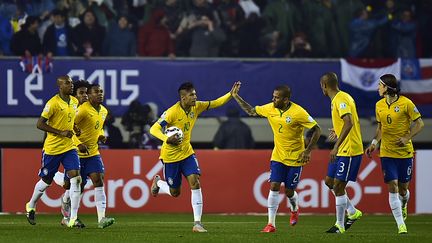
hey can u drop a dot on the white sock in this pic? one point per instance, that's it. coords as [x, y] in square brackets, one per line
[163, 187]
[350, 207]
[197, 204]
[66, 196]
[272, 205]
[341, 205]
[59, 178]
[404, 199]
[294, 202]
[75, 195]
[38, 191]
[395, 205]
[100, 199]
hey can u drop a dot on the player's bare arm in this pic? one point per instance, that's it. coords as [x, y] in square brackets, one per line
[348, 124]
[416, 127]
[306, 155]
[374, 144]
[42, 125]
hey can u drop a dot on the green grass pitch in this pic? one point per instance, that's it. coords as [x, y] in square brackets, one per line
[222, 228]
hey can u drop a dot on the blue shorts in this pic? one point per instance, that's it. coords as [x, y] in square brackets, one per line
[90, 165]
[397, 169]
[51, 163]
[344, 168]
[289, 175]
[173, 171]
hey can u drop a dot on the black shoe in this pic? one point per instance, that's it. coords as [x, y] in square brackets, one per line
[335, 229]
[79, 224]
[30, 214]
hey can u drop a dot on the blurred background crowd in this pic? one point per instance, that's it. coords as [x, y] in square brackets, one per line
[217, 28]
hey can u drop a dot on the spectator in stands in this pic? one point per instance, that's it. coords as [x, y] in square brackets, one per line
[405, 29]
[113, 134]
[232, 19]
[88, 36]
[271, 46]
[206, 38]
[6, 33]
[57, 40]
[26, 42]
[103, 11]
[73, 9]
[284, 17]
[300, 47]
[233, 133]
[250, 35]
[120, 41]
[345, 11]
[154, 37]
[362, 29]
[40, 8]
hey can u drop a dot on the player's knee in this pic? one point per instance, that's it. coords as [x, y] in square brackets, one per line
[329, 184]
[97, 182]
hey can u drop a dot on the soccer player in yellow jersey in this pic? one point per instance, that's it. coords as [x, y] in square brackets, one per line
[346, 155]
[177, 155]
[398, 122]
[287, 120]
[57, 120]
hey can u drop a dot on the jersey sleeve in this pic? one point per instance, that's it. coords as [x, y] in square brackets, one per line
[262, 110]
[412, 111]
[306, 120]
[202, 106]
[377, 117]
[166, 118]
[343, 107]
[80, 115]
[48, 110]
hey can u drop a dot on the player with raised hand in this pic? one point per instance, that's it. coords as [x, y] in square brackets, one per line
[287, 120]
[177, 154]
[398, 122]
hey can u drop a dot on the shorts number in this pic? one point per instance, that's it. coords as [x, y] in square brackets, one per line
[342, 167]
[409, 170]
[296, 175]
[389, 120]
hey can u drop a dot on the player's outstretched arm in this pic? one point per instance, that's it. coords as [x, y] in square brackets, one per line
[242, 103]
[225, 98]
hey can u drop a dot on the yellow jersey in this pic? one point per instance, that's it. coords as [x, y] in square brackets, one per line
[287, 127]
[341, 105]
[395, 122]
[177, 116]
[90, 121]
[61, 116]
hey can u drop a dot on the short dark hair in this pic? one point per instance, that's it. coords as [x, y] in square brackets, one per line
[285, 91]
[331, 79]
[392, 84]
[187, 86]
[80, 84]
[91, 86]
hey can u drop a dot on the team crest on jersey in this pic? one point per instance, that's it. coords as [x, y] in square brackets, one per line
[288, 120]
[416, 110]
[170, 181]
[46, 108]
[342, 105]
[397, 109]
[192, 114]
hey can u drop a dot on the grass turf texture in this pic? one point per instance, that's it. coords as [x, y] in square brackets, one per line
[222, 228]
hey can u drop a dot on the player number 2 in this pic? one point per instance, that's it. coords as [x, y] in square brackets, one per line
[280, 128]
[296, 175]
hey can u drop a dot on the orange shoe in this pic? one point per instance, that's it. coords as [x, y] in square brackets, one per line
[269, 229]
[294, 217]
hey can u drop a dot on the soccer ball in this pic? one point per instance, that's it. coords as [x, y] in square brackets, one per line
[174, 131]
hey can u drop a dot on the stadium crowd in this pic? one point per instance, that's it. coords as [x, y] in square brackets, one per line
[217, 28]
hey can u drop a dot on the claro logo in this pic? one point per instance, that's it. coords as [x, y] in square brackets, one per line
[113, 186]
[314, 193]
